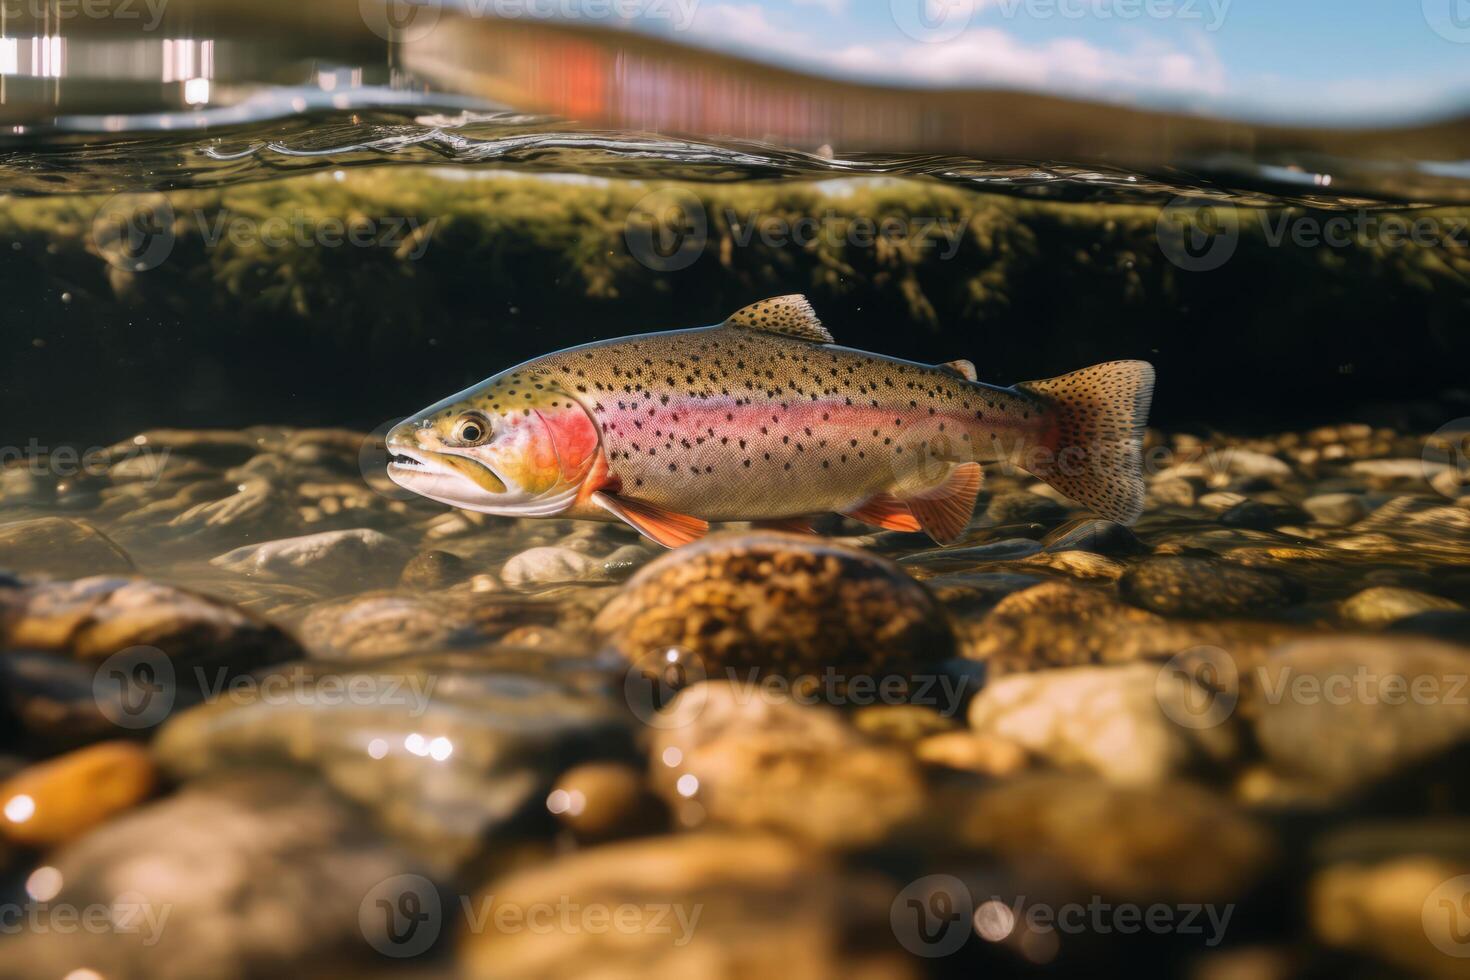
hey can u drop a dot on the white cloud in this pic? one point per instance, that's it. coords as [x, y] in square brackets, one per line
[833, 7]
[980, 56]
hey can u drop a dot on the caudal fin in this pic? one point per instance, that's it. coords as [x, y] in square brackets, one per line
[1094, 439]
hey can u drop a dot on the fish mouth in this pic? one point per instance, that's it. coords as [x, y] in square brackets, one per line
[407, 464]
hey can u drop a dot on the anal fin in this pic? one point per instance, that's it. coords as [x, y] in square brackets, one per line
[945, 511]
[886, 511]
[669, 528]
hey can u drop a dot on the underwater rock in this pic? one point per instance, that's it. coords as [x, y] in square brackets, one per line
[353, 559]
[155, 469]
[21, 485]
[790, 604]
[61, 546]
[253, 509]
[548, 565]
[1119, 722]
[1381, 605]
[217, 447]
[1249, 463]
[602, 800]
[1170, 842]
[1024, 507]
[1336, 509]
[260, 874]
[1058, 624]
[433, 570]
[1260, 516]
[385, 624]
[1171, 492]
[1083, 565]
[72, 793]
[985, 755]
[1093, 534]
[750, 757]
[1396, 891]
[443, 754]
[735, 906]
[1350, 709]
[900, 722]
[1222, 501]
[1180, 586]
[1386, 473]
[83, 659]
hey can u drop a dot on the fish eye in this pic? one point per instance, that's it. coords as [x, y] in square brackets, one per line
[471, 429]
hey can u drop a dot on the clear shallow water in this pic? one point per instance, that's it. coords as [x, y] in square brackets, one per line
[301, 721]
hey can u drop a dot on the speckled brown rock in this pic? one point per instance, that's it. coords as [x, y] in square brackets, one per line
[433, 570]
[791, 604]
[1183, 586]
[746, 756]
[1058, 624]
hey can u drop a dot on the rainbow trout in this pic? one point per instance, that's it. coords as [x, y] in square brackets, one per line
[762, 418]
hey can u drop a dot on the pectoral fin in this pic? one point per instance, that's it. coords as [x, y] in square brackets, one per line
[945, 511]
[886, 511]
[667, 527]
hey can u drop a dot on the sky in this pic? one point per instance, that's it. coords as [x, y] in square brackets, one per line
[1282, 60]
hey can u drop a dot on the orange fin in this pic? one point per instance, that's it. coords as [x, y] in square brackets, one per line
[796, 525]
[886, 511]
[945, 511]
[962, 368]
[667, 527]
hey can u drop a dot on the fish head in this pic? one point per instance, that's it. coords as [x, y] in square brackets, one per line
[514, 446]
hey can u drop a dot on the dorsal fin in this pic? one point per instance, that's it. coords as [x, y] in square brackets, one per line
[963, 368]
[790, 316]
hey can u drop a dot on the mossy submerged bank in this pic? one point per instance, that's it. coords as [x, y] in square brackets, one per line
[254, 316]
